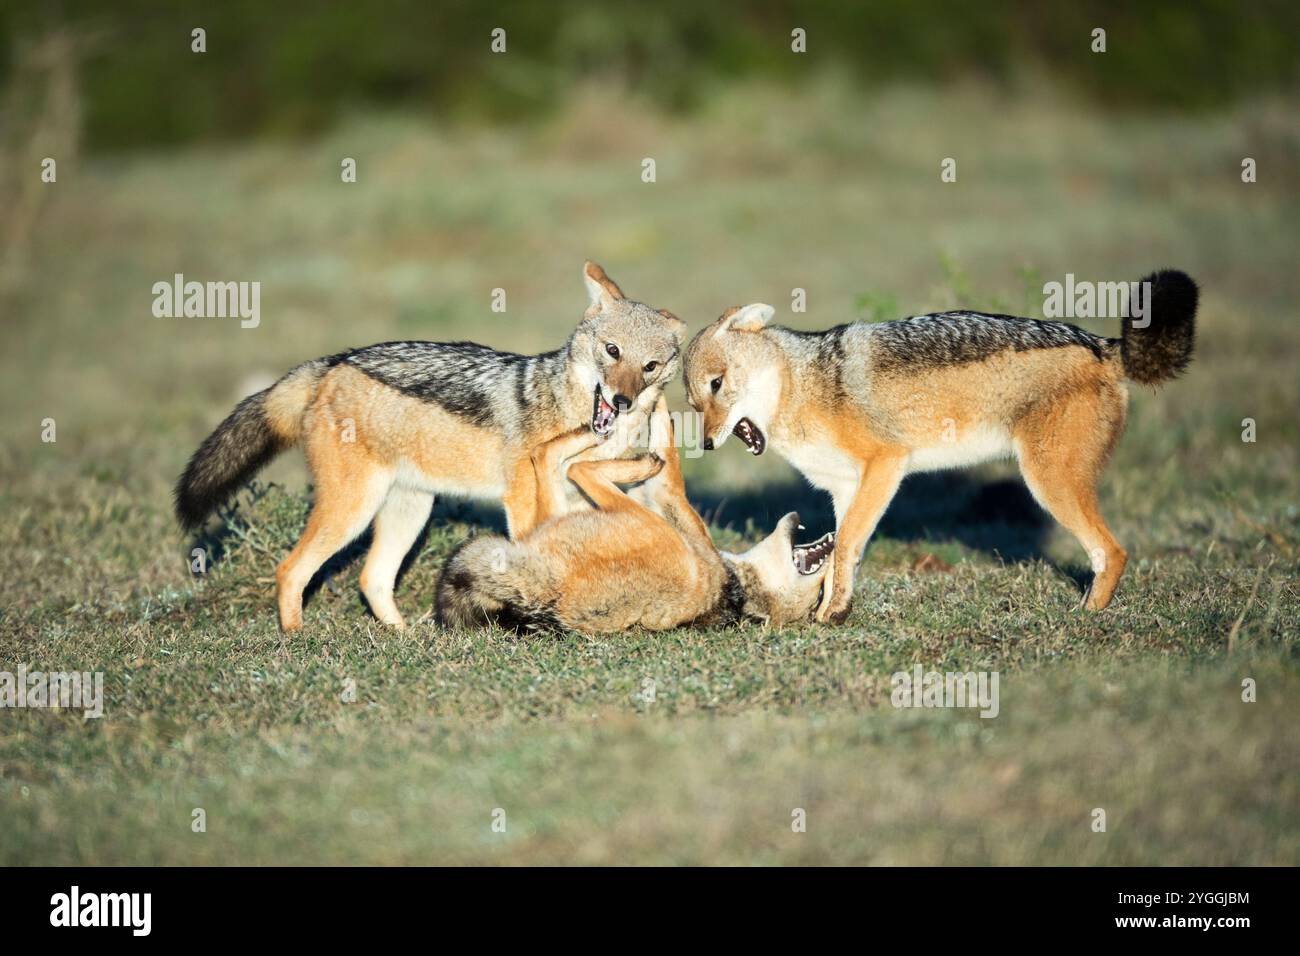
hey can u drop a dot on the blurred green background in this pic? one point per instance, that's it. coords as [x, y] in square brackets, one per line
[294, 67]
[775, 171]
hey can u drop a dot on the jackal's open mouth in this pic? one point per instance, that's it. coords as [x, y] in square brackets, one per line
[751, 435]
[809, 558]
[602, 414]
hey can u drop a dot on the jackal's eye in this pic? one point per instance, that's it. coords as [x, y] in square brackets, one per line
[612, 349]
[716, 384]
[651, 366]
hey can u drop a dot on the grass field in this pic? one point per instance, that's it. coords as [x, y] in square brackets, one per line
[1137, 710]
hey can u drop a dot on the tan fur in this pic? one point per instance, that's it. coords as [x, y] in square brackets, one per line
[1059, 411]
[625, 565]
[377, 453]
[284, 404]
[401, 446]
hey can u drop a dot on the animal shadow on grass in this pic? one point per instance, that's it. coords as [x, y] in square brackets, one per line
[483, 518]
[998, 517]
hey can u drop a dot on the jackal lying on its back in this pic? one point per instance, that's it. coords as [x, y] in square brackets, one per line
[857, 407]
[625, 565]
[387, 427]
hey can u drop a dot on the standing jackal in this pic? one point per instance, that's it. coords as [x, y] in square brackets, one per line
[386, 427]
[857, 407]
[626, 564]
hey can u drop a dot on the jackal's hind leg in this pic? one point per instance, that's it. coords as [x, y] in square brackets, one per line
[399, 522]
[344, 505]
[1067, 492]
[1063, 450]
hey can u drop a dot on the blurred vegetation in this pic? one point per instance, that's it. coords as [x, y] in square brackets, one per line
[292, 68]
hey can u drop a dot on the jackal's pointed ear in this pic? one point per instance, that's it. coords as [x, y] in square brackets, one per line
[677, 326]
[782, 537]
[745, 318]
[600, 287]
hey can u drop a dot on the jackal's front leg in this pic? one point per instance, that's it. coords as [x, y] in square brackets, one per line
[880, 479]
[543, 479]
[660, 441]
[600, 480]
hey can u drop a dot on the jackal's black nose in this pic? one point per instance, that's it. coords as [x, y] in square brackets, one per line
[622, 402]
[708, 444]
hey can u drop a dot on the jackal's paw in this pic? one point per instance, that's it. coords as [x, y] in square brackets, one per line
[652, 463]
[1092, 600]
[836, 612]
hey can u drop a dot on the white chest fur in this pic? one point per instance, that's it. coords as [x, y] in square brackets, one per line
[828, 468]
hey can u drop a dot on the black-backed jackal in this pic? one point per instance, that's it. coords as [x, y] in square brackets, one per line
[626, 564]
[386, 427]
[858, 407]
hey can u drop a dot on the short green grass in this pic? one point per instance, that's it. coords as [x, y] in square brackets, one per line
[1137, 711]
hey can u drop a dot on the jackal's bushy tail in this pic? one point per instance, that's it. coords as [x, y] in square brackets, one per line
[487, 580]
[1163, 349]
[260, 427]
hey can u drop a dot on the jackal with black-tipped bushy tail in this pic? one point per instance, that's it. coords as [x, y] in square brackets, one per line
[386, 427]
[859, 406]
